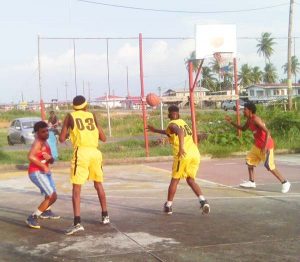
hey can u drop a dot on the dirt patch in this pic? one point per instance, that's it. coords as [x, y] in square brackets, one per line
[4, 124]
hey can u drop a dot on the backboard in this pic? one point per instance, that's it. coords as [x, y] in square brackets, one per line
[216, 38]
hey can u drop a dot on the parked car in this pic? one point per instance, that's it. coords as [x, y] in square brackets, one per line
[21, 130]
[231, 105]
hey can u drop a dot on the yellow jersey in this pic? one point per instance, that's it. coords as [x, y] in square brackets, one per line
[190, 147]
[85, 132]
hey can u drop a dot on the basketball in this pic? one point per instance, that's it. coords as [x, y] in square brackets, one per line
[152, 99]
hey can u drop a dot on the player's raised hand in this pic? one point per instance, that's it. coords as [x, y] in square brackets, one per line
[150, 128]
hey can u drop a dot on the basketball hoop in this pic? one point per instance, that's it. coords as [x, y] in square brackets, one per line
[223, 58]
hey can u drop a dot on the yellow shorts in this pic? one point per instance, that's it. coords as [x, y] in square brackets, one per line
[255, 156]
[86, 165]
[185, 167]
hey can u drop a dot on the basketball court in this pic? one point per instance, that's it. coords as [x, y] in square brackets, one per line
[244, 225]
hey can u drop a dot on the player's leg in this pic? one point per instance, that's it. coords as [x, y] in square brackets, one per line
[102, 199]
[253, 158]
[270, 165]
[171, 193]
[48, 213]
[192, 166]
[96, 174]
[42, 181]
[79, 175]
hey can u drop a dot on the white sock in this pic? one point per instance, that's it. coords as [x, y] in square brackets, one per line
[169, 203]
[37, 213]
[201, 198]
[48, 208]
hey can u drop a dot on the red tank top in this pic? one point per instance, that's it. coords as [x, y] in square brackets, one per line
[260, 135]
[33, 167]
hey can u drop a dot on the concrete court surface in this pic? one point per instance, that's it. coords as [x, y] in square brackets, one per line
[244, 225]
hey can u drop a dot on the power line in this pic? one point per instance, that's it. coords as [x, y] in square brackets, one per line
[183, 11]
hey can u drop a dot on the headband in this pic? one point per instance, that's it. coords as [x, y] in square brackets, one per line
[78, 107]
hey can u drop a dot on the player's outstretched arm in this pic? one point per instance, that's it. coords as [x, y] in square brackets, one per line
[154, 130]
[64, 131]
[229, 120]
[102, 136]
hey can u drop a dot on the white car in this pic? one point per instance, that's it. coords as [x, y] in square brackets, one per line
[21, 130]
[231, 105]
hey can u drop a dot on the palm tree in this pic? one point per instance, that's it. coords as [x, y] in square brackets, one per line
[295, 67]
[256, 75]
[265, 46]
[195, 62]
[270, 74]
[245, 75]
[208, 80]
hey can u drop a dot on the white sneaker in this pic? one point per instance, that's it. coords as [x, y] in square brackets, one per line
[285, 187]
[105, 220]
[248, 184]
[73, 229]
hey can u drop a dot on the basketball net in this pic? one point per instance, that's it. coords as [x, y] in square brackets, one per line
[224, 59]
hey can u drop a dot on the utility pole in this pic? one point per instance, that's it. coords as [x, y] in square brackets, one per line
[289, 71]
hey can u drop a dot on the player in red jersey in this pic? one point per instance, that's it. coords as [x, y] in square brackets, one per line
[39, 173]
[263, 148]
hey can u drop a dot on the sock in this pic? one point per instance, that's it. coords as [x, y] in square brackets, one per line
[251, 180]
[169, 203]
[283, 182]
[201, 198]
[48, 208]
[104, 213]
[37, 213]
[77, 220]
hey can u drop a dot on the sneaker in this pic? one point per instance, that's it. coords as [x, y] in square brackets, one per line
[167, 209]
[49, 214]
[285, 187]
[105, 220]
[248, 184]
[32, 221]
[204, 206]
[73, 229]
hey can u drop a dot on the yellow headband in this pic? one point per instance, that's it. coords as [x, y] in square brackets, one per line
[78, 107]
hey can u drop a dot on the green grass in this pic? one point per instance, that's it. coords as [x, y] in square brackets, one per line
[222, 140]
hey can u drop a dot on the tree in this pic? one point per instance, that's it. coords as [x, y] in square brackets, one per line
[265, 46]
[270, 74]
[256, 75]
[295, 66]
[208, 80]
[245, 75]
[195, 62]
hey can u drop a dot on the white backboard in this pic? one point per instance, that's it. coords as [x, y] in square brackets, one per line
[215, 38]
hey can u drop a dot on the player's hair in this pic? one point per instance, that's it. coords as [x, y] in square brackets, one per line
[173, 108]
[38, 125]
[51, 112]
[251, 106]
[78, 100]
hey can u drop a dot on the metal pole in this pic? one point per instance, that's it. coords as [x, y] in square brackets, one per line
[107, 64]
[108, 115]
[143, 95]
[289, 71]
[161, 109]
[39, 69]
[75, 70]
[127, 81]
[238, 117]
[192, 106]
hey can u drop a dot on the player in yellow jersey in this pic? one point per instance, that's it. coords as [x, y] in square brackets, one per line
[186, 158]
[86, 163]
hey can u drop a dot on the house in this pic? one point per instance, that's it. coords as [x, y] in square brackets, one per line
[269, 92]
[181, 96]
[110, 101]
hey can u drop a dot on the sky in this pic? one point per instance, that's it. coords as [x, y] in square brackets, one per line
[90, 73]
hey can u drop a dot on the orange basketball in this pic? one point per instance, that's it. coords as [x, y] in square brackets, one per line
[152, 99]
